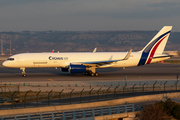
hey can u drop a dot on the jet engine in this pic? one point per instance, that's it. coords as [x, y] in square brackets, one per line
[78, 69]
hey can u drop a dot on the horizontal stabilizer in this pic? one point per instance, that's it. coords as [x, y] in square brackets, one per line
[162, 56]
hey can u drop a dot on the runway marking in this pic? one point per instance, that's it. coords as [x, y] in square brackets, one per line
[51, 80]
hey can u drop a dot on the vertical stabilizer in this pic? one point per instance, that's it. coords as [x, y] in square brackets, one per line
[155, 46]
[159, 41]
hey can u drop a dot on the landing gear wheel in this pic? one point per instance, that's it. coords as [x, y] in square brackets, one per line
[23, 72]
[92, 74]
[96, 74]
[24, 75]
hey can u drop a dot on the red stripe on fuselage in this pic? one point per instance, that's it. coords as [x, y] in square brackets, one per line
[154, 50]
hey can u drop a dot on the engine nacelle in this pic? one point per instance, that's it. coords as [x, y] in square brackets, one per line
[77, 69]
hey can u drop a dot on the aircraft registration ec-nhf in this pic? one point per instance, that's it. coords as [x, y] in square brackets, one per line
[88, 62]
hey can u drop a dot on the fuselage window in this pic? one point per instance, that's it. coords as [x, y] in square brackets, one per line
[10, 59]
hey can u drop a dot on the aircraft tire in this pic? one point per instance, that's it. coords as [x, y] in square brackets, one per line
[96, 74]
[92, 74]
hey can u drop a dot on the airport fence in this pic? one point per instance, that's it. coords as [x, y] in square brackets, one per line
[11, 96]
[78, 114]
[90, 84]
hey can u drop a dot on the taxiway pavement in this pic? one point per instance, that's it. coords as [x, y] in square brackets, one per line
[146, 72]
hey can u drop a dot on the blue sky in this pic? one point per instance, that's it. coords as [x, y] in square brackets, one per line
[82, 15]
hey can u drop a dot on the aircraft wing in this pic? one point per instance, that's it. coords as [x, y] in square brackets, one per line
[99, 63]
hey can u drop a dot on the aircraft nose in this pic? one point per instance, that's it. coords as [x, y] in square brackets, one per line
[5, 64]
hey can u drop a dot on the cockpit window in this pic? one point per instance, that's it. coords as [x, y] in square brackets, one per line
[10, 59]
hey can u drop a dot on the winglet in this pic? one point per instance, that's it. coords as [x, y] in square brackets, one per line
[94, 50]
[128, 55]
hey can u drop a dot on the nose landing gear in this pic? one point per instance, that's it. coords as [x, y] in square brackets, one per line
[23, 72]
[24, 75]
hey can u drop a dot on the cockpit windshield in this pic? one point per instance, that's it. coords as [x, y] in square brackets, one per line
[10, 59]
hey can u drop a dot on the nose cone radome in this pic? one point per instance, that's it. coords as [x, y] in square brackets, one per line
[5, 64]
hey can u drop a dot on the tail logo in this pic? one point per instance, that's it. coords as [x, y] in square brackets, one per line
[154, 50]
[151, 49]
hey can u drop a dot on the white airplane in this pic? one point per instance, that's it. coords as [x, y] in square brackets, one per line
[87, 62]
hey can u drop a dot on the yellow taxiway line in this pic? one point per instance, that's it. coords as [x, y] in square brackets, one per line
[51, 80]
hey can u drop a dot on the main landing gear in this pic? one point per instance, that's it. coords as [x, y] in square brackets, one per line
[23, 72]
[92, 72]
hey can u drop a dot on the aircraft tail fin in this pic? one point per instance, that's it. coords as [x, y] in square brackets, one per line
[155, 46]
[158, 43]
